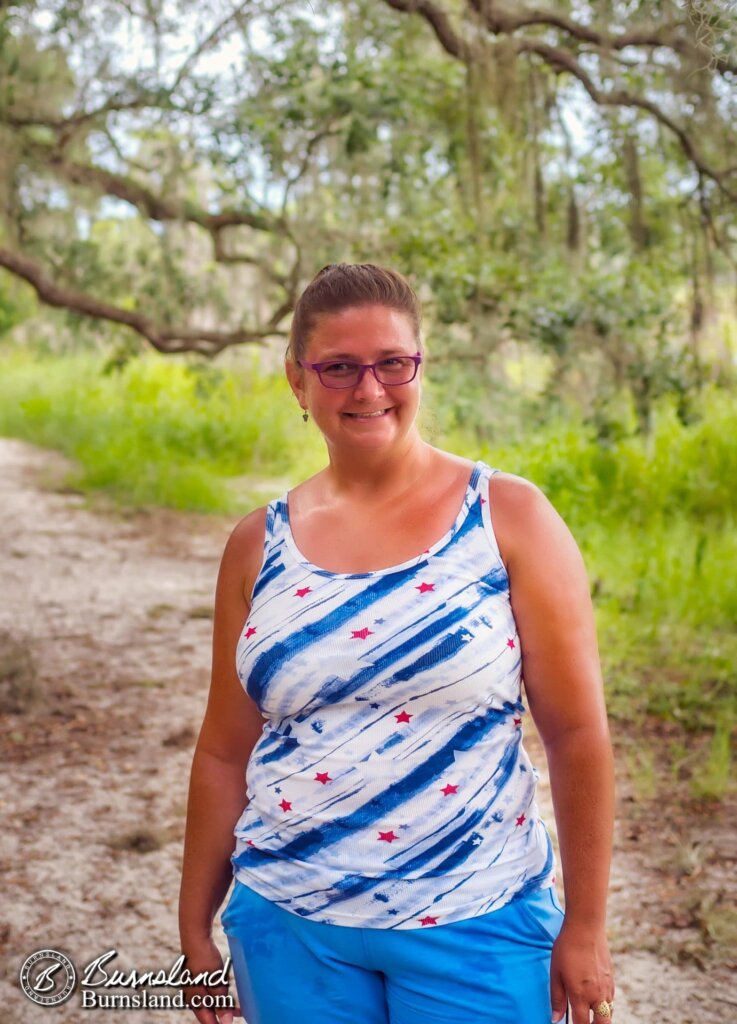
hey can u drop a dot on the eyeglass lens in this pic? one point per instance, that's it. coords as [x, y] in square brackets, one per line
[397, 370]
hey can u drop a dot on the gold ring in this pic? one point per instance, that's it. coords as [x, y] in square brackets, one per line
[603, 1009]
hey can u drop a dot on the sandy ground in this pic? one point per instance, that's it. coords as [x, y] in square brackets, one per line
[116, 611]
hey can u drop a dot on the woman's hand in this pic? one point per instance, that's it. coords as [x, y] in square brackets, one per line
[580, 973]
[203, 955]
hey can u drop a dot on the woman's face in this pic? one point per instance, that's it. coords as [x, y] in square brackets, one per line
[361, 334]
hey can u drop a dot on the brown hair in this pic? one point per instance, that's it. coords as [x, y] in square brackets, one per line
[340, 286]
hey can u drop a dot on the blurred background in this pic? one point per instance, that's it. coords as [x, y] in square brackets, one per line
[559, 182]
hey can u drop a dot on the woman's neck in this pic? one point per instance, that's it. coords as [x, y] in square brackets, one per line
[377, 474]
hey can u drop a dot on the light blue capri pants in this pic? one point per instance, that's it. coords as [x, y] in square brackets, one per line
[492, 969]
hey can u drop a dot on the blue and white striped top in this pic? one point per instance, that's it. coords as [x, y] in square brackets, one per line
[389, 787]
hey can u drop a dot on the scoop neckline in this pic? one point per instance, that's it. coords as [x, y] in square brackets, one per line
[410, 562]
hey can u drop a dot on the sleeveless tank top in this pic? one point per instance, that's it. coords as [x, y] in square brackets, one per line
[389, 787]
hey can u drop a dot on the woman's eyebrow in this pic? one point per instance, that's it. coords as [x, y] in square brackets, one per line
[354, 359]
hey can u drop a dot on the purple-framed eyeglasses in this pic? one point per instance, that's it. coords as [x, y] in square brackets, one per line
[389, 371]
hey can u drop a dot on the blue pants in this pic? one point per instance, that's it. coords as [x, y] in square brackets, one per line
[492, 969]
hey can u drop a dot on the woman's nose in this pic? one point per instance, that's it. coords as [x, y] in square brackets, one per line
[368, 385]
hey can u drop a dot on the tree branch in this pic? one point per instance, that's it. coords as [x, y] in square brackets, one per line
[211, 39]
[223, 256]
[561, 60]
[165, 339]
[440, 22]
[163, 209]
[710, 224]
[150, 205]
[66, 127]
[305, 162]
[501, 20]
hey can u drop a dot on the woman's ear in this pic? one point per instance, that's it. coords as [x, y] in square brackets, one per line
[296, 378]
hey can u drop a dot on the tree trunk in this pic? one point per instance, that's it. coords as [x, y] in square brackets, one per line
[638, 228]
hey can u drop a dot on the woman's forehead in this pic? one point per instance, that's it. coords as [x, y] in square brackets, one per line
[351, 330]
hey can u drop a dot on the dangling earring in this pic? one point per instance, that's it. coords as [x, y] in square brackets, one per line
[305, 415]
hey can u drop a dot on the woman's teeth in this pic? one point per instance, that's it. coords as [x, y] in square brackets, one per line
[367, 415]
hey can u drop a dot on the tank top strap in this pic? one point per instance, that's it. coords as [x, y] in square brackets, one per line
[277, 523]
[479, 484]
[274, 535]
[480, 477]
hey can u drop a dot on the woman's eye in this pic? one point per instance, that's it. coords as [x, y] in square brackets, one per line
[338, 367]
[395, 364]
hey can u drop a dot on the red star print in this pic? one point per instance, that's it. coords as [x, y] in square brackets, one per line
[249, 632]
[483, 501]
[403, 717]
[323, 777]
[426, 551]
[517, 721]
[285, 805]
[361, 634]
[447, 790]
[302, 591]
[521, 820]
[510, 643]
[388, 836]
[428, 920]
[250, 842]
[424, 587]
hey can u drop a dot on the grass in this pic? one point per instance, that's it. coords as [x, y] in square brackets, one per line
[714, 779]
[159, 432]
[656, 519]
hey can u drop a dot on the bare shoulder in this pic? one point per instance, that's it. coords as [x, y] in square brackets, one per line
[248, 530]
[526, 523]
[515, 495]
[459, 465]
[244, 550]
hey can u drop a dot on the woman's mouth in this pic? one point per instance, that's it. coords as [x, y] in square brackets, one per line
[368, 415]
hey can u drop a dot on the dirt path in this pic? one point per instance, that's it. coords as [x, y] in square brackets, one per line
[117, 613]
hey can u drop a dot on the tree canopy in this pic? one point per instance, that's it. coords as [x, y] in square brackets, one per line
[561, 174]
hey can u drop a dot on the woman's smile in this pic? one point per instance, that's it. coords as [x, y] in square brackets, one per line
[377, 414]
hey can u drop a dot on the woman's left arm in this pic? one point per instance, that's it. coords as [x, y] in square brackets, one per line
[562, 678]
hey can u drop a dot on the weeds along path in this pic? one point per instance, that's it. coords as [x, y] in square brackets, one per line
[97, 733]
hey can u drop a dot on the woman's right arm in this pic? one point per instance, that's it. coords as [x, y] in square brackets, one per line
[217, 790]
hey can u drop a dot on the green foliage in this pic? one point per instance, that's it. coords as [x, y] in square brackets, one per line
[716, 778]
[157, 432]
[15, 305]
[681, 469]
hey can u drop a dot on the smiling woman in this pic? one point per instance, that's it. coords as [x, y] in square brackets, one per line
[362, 370]
[373, 627]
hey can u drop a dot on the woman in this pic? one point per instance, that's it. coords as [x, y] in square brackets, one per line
[390, 862]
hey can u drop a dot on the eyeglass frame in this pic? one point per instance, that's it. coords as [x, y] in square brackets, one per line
[362, 368]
